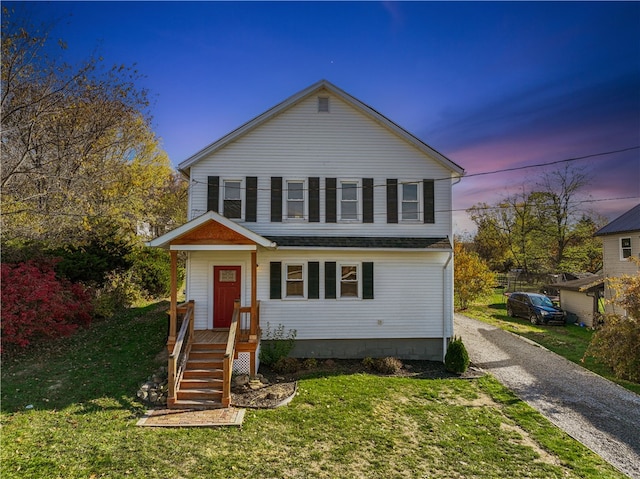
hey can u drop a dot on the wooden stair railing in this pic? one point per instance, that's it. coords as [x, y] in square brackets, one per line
[180, 353]
[230, 351]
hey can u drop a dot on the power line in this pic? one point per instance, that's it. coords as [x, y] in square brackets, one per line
[449, 178]
[567, 160]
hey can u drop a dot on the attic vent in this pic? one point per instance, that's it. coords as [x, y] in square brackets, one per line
[323, 104]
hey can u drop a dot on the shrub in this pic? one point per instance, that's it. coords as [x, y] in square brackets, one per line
[36, 304]
[368, 363]
[286, 365]
[276, 344]
[387, 365]
[310, 363]
[119, 291]
[152, 271]
[457, 359]
[617, 344]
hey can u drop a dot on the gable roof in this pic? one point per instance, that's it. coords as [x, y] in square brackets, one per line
[166, 239]
[302, 95]
[625, 223]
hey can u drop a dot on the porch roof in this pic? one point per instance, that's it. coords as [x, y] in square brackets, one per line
[177, 238]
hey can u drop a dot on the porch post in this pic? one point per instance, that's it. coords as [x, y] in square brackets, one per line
[173, 311]
[253, 332]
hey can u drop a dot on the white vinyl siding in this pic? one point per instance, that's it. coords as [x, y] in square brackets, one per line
[398, 276]
[345, 144]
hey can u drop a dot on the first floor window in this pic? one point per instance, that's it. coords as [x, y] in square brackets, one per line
[625, 248]
[295, 281]
[348, 281]
[233, 199]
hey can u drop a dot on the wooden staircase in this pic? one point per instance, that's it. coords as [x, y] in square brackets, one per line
[201, 384]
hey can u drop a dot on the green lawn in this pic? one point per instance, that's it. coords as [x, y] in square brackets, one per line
[570, 341]
[82, 423]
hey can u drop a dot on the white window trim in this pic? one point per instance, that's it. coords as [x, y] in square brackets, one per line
[358, 182]
[304, 281]
[622, 249]
[305, 200]
[243, 196]
[339, 266]
[401, 184]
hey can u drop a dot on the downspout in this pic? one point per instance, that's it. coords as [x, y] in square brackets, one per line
[457, 180]
[444, 302]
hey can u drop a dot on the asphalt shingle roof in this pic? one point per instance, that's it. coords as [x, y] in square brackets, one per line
[629, 221]
[360, 242]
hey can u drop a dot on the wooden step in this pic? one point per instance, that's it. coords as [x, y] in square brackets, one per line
[195, 404]
[201, 346]
[203, 373]
[206, 354]
[201, 383]
[199, 394]
[206, 363]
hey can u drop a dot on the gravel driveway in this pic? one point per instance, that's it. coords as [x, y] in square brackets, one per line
[600, 414]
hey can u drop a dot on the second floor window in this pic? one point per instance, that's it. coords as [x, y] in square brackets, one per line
[349, 200]
[625, 248]
[410, 209]
[232, 199]
[295, 199]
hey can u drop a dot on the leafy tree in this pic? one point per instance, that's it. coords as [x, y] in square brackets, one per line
[76, 144]
[540, 231]
[472, 277]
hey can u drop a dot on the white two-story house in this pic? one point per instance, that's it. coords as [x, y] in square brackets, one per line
[325, 217]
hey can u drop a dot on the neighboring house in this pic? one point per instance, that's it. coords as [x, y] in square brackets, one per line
[581, 297]
[620, 242]
[325, 217]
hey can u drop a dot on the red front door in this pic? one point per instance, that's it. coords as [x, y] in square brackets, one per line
[226, 289]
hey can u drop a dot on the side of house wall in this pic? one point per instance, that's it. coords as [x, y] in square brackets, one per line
[614, 265]
[579, 304]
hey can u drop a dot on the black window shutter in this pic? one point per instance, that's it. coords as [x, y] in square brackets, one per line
[429, 201]
[330, 214]
[313, 286]
[367, 280]
[314, 200]
[276, 199]
[392, 201]
[330, 280]
[275, 280]
[251, 207]
[367, 200]
[213, 189]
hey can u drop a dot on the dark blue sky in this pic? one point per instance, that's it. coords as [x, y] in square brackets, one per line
[490, 85]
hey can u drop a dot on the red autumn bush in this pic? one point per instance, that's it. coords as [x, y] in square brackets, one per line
[36, 304]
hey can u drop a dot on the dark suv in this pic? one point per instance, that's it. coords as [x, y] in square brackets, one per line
[537, 308]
